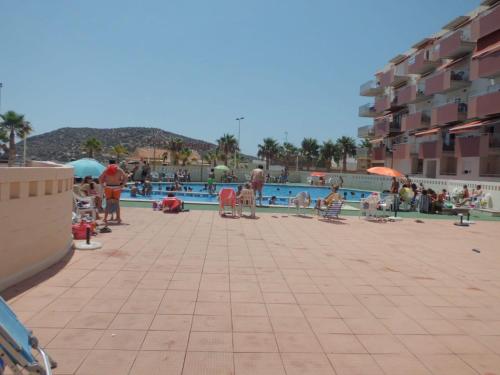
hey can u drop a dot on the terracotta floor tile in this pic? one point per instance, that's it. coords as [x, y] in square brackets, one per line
[382, 344]
[254, 342]
[132, 321]
[319, 311]
[365, 326]
[51, 319]
[115, 339]
[290, 324]
[329, 325]
[68, 360]
[208, 363]
[248, 309]
[212, 308]
[107, 362]
[76, 339]
[354, 364]
[166, 340]
[307, 364]
[298, 343]
[251, 324]
[311, 299]
[213, 296]
[91, 320]
[439, 327]
[446, 364]
[279, 298]
[211, 341]
[397, 364]
[158, 363]
[340, 343]
[284, 309]
[171, 322]
[212, 323]
[258, 363]
[176, 307]
[423, 344]
[483, 363]
[459, 344]
[104, 305]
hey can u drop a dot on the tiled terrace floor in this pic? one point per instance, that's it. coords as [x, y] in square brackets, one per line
[198, 294]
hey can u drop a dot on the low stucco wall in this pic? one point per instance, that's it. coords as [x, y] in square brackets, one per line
[35, 219]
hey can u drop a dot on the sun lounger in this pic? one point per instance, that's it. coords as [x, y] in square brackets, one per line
[301, 200]
[227, 198]
[16, 345]
[333, 210]
[247, 199]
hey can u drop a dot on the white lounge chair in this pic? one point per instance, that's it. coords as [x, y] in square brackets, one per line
[246, 199]
[301, 200]
[84, 205]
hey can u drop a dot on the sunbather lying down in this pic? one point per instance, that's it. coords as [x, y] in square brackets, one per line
[332, 197]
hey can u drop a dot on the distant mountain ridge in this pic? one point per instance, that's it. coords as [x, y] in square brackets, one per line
[65, 144]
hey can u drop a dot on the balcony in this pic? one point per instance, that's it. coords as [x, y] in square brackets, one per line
[395, 76]
[371, 88]
[448, 114]
[417, 120]
[484, 105]
[456, 45]
[412, 93]
[378, 153]
[365, 131]
[382, 104]
[486, 24]
[430, 150]
[446, 80]
[422, 63]
[367, 110]
[381, 126]
[485, 66]
[403, 150]
[472, 146]
[494, 141]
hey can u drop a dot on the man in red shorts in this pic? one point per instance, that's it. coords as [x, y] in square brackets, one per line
[113, 179]
[257, 179]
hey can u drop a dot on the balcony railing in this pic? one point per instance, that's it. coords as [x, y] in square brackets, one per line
[486, 24]
[422, 63]
[394, 76]
[417, 120]
[371, 88]
[447, 80]
[484, 105]
[362, 153]
[382, 103]
[367, 110]
[430, 150]
[494, 140]
[456, 45]
[486, 66]
[448, 114]
[378, 153]
[365, 131]
[472, 146]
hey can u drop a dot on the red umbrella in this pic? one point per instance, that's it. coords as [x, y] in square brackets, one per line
[318, 174]
[385, 171]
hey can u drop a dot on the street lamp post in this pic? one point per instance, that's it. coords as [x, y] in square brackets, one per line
[239, 134]
[1, 85]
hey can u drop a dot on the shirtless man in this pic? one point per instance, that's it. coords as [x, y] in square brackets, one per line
[257, 180]
[113, 179]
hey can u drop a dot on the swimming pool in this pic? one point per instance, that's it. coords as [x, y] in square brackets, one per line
[282, 192]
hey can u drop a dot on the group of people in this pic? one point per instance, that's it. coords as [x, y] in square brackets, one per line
[107, 187]
[426, 200]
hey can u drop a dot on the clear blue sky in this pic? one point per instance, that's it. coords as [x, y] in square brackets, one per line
[192, 67]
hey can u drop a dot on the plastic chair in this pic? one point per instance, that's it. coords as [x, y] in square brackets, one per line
[301, 200]
[247, 199]
[17, 343]
[84, 205]
[227, 197]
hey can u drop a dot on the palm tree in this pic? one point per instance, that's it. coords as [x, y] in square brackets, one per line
[119, 150]
[14, 125]
[227, 145]
[288, 153]
[211, 157]
[92, 146]
[184, 155]
[310, 150]
[347, 146]
[175, 145]
[268, 150]
[328, 151]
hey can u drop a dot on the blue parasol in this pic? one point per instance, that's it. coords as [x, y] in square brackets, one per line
[87, 167]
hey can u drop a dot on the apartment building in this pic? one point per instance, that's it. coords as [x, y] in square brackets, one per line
[436, 107]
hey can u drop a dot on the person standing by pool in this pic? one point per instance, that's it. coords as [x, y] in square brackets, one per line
[211, 181]
[113, 178]
[257, 180]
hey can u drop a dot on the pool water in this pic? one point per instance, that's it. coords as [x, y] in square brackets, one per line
[282, 192]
